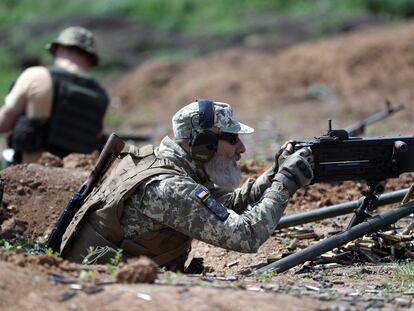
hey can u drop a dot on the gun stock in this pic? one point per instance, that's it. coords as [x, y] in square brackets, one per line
[113, 146]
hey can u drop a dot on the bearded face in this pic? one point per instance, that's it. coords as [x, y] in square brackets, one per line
[223, 171]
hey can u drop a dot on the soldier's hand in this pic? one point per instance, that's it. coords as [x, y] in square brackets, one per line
[296, 170]
[285, 150]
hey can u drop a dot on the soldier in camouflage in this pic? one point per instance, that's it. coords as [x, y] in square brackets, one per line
[193, 199]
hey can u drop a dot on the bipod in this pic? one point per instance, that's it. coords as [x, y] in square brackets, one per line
[369, 202]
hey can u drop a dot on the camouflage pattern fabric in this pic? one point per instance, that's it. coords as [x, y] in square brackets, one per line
[188, 117]
[78, 37]
[254, 209]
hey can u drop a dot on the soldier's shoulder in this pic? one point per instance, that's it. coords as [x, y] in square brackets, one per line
[35, 72]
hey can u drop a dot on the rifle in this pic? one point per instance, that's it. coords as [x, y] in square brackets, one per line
[113, 147]
[125, 137]
[2, 183]
[359, 127]
[339, 157]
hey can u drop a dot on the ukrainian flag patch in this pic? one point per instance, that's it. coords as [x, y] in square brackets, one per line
[208, 201]
[201, 193]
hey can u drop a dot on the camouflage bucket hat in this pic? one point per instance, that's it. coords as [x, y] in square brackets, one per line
[188, 117]
[78, 37]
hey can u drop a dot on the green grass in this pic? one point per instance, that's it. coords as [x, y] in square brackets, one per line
[195, 16]
[404, 273]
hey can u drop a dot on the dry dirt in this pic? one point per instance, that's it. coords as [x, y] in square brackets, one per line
[273, 93]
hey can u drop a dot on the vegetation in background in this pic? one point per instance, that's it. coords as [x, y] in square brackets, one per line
[210, 15]
[195, 17]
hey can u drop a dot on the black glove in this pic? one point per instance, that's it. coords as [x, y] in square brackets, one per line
[281, 156]
[295, 170]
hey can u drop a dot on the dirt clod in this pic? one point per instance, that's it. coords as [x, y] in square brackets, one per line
[141, 270]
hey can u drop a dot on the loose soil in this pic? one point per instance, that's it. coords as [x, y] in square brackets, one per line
[275, 92]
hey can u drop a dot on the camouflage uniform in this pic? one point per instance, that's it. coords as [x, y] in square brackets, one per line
[159, 214]
[170, 201]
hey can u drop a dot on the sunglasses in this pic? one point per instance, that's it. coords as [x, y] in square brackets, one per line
[229, 137]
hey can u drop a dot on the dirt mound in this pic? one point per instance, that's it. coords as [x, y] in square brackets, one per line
[34, 197]
[293, 92]
[289, 93]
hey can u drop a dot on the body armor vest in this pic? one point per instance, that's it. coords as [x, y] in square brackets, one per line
[97, 223]
[79, 105]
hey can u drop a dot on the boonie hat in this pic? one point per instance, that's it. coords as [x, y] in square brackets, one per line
[188, 117]
[78, 37]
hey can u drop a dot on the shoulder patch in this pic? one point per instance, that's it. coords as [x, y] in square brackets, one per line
[202, 194]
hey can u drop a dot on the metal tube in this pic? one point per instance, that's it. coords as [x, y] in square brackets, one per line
[369, 226]
[337, 210]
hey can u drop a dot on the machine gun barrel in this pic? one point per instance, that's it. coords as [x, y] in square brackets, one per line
[337, 210]
[359, 127]
[367, 227]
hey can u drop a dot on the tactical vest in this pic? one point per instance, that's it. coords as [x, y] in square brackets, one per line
[97, 223]
[79, 105]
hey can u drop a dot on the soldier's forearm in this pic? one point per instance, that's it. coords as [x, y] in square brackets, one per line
[250, 192]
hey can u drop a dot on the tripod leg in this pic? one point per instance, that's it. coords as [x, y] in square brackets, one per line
[370, 198]
[408, 196]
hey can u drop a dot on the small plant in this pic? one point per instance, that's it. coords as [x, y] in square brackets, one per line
[386, 289]
[111, 267]
[267, 276]
[405, 274]
[326, 272]
[21, 243]
[49, 251]
[286, 241]
[86, 275]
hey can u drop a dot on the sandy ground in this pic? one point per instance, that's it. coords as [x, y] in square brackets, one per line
[287, 94]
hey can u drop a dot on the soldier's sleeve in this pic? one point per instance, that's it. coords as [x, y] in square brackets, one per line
[191, 209]
[248, 194]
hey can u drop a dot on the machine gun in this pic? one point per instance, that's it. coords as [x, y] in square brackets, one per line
[339, 157]
[359, 127]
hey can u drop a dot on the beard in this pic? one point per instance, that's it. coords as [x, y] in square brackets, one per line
[223, 171]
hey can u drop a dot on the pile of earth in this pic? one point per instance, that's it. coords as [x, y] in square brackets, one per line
[290, 93]
[36, 194]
